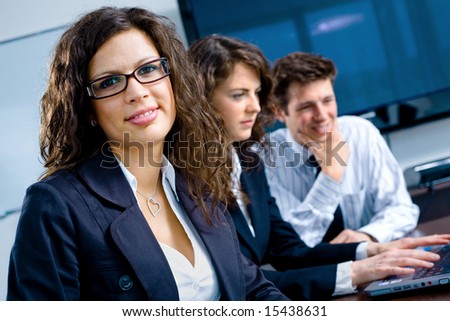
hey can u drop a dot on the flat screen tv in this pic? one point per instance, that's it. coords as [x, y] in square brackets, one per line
[392, 56]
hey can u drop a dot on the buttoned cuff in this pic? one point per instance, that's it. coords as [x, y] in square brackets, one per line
[361, 251]
[343, 279]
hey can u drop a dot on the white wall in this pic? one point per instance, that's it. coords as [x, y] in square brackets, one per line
[23, 65]
[22, 17]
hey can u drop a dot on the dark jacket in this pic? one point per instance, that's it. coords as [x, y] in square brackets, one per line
[302, 273]
[82, 236]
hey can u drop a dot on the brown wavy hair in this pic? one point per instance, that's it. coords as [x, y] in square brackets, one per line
[302, 68]
[215, 57]
[66, 136]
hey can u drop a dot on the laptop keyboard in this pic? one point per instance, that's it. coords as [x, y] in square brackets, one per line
[440, 267]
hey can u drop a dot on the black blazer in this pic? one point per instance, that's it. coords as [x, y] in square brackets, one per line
[302, 273]
[82, 236]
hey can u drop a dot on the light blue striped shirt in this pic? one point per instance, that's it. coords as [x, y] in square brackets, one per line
[372, 193]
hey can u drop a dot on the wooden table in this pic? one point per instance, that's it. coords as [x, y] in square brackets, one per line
[437, 226]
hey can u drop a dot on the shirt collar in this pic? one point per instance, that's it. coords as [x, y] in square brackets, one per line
[236, 172]
[167, 171]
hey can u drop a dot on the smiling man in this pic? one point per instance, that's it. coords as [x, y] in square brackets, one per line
[334, 178]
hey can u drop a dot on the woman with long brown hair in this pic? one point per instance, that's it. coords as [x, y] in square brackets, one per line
[130, 207]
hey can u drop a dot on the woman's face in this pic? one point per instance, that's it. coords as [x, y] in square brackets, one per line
[142, 113]
[237, 101]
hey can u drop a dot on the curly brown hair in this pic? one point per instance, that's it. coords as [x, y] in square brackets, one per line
[302, 68]
[215, 57]
[66, 136]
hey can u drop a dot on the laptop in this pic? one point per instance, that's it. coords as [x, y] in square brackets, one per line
[438, 275]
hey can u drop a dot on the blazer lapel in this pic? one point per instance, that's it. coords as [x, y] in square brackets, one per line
[104, 177]
[252, 186]
[136, 241]
[129, 230]
[242, 227]
[246, 184]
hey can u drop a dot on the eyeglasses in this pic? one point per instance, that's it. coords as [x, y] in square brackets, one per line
[111, 85]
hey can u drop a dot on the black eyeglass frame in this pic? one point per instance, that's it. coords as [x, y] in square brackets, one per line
[164, 64]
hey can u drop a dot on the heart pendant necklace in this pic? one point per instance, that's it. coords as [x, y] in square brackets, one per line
[153, 205]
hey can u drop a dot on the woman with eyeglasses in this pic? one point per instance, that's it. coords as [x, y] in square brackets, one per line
[129, 207]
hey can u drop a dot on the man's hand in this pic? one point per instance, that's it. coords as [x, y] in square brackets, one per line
[407, 243]
[331, 154]
[350, 236]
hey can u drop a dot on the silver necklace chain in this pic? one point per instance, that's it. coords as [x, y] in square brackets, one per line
[153, 205]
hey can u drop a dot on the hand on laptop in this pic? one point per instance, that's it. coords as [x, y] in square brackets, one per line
[374, 248]
[393, 261]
